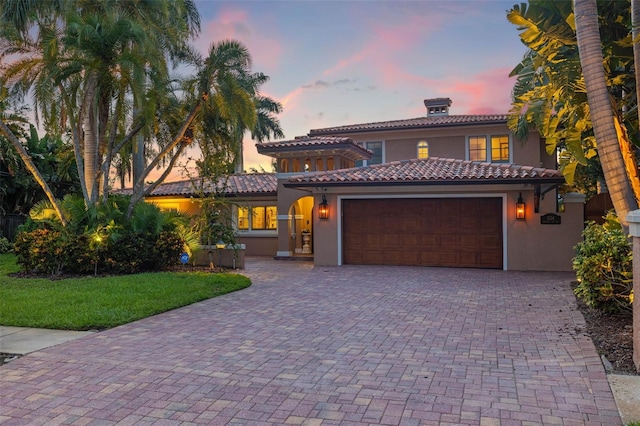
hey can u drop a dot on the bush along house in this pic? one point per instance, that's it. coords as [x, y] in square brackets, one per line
[438, 190]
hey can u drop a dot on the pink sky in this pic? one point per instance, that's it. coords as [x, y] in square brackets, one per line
[334, 63]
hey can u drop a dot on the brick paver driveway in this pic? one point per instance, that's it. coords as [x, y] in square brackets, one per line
[332, 345]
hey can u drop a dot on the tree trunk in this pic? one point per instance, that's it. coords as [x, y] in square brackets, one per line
[591, 59]
[34, 171]
[90, 151]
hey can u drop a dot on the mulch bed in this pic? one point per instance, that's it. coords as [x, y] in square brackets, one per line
[612, 335]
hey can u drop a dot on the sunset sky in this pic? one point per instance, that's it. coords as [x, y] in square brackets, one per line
[334, 63]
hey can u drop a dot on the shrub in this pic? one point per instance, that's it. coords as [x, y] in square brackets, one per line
[40, 250]
[100, 239]
[5, 245]
[603, 265]
[168, 248]
[127, 254]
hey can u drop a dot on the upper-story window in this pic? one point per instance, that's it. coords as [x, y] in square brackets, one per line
[378, 153]
[257, 218]
[493, 148]
[423, 149]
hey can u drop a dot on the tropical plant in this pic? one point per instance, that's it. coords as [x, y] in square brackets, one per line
[551, 94]
[52, 157]
[100, 237]
[603, 265]
[608, 130]
[5, 245]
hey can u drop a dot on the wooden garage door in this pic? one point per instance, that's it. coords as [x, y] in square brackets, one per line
[462, 232]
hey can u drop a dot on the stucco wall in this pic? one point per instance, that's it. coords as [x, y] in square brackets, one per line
[259, 246]
[450, 142]
[536, 247]
[529, 244]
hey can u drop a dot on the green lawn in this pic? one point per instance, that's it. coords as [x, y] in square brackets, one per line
[95, 303]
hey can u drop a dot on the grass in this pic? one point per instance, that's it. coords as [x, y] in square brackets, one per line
[95, 303]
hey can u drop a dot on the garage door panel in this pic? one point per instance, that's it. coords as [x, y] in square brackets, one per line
[391, 240]
[374, 257]
[429, 258]
[410, 240]
[429, 240]
[464, 232]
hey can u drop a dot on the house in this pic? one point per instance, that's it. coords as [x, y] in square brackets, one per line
[438, 190]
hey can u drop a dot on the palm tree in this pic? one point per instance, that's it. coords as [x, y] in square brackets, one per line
[26, 158]
[604, 124]
[550, 91]
[104, 61]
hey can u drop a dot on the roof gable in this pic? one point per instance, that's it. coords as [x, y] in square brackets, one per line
[415, 123]
[317, 145]
[427, 171]
[242, 184]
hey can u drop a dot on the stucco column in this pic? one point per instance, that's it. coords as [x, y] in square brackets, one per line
[634, 229]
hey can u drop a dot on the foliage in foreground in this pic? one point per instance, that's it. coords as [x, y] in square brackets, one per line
[603, 265]
[91, 303]
[100, 238]
[5, 245]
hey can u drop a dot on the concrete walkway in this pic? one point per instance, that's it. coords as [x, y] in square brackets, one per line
[21, 341]
[328, 346]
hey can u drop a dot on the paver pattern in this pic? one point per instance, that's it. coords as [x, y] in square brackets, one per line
[332, 346]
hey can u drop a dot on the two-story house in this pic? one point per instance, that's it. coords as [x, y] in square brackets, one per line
[438, 190]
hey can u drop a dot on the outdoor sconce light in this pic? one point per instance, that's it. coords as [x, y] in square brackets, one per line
[323, 208]
[520, 208]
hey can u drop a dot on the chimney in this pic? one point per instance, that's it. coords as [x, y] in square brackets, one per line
[437, 106]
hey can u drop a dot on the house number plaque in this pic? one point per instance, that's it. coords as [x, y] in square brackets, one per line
[550, 219]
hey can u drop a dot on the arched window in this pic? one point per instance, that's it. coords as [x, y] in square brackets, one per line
[330, 164]
[296, 165]
[307, 165]
[423, 149]
[284, 165]
[319, 165]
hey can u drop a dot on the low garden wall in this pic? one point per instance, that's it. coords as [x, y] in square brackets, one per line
[228, 257]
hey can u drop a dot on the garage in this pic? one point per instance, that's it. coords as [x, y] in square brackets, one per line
[452, 232]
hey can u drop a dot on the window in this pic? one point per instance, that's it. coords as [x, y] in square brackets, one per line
[261, 218]
[423, 149]
[500, 148]
[377, 158]
[243, 218]
[478, 148]
[496, 150]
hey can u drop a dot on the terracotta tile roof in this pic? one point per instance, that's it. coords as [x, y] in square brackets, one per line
[434, 171]
[415, 123]
[246, 184]
[312, 143]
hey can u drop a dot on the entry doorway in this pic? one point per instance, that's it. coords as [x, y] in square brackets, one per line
[301, 227]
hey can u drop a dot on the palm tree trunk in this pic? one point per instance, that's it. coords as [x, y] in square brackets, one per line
[32, 168]
[613, 166]
[90, 151]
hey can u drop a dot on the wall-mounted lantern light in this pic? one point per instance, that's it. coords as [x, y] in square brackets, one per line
[323, 208]
[520, 208]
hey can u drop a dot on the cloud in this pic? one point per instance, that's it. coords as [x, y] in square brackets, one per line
[323, 84]
[319, 84]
